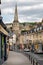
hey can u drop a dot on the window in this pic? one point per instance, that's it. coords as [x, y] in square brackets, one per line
[40, 28]
[31, 31]
[37, 29]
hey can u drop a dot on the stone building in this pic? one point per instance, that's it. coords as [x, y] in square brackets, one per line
[36, 37]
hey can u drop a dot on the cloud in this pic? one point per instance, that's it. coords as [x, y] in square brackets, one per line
[7, 1]
[23, 18]
[23, 1]
[7, 11]
[39, 6]
[28, 10]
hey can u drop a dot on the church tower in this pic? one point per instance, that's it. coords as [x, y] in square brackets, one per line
[15, 27]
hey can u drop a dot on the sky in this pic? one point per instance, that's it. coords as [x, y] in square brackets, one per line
[28, 10]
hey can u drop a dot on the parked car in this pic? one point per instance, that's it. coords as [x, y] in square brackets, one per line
[26, 50]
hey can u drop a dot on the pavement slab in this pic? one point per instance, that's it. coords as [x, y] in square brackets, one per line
[16, 58]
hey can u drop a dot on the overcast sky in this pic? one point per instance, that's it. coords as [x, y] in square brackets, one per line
[28, 10]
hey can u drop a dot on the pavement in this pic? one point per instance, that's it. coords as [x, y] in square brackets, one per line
[16, 58]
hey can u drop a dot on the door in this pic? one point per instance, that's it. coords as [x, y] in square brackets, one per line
[2, 49]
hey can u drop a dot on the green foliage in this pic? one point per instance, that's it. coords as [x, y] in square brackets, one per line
[32, 23]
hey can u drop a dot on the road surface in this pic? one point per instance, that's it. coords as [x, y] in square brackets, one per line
[16, 58]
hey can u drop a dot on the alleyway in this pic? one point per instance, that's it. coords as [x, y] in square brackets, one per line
[17, 59]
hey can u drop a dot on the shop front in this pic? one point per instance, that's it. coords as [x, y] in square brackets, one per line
[38, 47]
[3, 43]
[3, 48]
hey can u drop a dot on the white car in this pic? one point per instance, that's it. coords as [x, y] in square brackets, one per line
[26, 50]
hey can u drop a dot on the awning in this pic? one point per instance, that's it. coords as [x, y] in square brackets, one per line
[3, 30]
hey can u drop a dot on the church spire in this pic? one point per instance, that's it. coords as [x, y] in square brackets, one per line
[16, 14]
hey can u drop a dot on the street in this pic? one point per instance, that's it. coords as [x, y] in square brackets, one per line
[16, 58]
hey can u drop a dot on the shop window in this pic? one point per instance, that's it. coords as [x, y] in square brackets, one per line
[2, 51]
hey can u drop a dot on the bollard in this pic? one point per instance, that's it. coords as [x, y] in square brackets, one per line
[36, 63]
[33, 62]
[29, 57]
